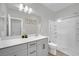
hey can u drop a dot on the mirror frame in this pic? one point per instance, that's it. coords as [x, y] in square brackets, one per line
[9, 20]
[4, 25]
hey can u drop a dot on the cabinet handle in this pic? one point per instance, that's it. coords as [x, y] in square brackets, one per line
[32, 44]
[32, 52]
[43, 46]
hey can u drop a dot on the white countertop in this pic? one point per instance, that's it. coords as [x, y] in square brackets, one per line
[17, 41]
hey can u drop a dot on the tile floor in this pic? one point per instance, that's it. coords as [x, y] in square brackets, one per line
[58, 54]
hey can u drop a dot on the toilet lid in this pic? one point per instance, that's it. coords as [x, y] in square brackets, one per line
[52, 44]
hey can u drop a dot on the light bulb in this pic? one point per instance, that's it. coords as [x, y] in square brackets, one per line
[20, 7]
[26, 9]
[30, 10]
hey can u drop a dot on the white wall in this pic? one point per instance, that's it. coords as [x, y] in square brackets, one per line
[68, 11]
[45, 15]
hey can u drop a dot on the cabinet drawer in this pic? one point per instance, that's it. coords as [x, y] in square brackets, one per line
[16, 48]
[21, 53]
[32, 51]
[20, 47]
[3, 53]
[32, 44]
[13, 49]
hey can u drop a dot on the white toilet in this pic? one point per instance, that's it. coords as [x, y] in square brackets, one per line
[52, 48]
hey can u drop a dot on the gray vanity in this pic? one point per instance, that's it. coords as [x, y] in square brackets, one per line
[32, 46]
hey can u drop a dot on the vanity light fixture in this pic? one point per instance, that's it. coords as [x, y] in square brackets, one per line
[25, 8]
[30, 10]
[21, 7]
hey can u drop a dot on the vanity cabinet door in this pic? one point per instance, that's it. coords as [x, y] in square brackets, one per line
[42, 47]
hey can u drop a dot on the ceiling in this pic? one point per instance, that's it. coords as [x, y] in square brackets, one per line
[57, 6]
[54, 7]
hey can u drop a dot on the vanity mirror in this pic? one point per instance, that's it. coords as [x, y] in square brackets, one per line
[15, 26]
[18, 23]
[10, 27]
[2, 26]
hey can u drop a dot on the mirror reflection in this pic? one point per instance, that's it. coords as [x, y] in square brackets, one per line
[18, 19]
